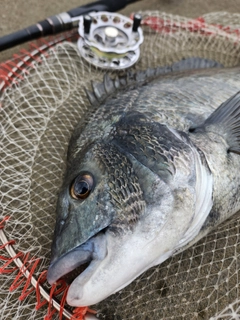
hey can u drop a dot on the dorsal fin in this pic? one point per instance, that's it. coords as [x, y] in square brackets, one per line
[102, 90]
[226, 120]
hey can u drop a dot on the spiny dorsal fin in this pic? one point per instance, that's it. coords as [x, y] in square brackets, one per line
[101, 91]
[108, 84]
[226, 118]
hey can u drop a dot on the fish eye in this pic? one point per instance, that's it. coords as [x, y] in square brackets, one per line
[81, 186]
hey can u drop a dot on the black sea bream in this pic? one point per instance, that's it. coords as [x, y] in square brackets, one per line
[150, 172]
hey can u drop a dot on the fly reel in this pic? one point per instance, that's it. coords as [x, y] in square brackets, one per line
[110, 40]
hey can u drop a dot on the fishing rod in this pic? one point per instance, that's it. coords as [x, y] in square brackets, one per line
[60, 22]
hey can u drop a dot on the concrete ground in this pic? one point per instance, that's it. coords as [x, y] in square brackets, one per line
[15, 15]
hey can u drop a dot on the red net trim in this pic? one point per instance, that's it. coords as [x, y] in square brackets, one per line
[30, 265]
[12, 71]
[25, 278]
[195, 25]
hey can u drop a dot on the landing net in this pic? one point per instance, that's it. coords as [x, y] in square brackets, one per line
[42, 99]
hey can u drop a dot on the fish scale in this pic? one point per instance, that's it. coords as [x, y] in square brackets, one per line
[119, 168]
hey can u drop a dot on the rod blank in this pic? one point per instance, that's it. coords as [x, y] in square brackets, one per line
[59, 23]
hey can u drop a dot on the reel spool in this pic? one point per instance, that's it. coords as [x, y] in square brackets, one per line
[110, 40]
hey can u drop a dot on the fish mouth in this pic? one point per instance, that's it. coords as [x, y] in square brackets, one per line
[79, 262]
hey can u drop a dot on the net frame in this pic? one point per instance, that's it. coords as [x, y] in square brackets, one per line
[20, 69]
[13, 72]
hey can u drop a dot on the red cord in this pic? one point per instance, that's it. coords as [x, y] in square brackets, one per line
[41, 279]
[196, 25]
[58, 290]
[2, 223]
[10, 76]
[26, 291]
[80, 312]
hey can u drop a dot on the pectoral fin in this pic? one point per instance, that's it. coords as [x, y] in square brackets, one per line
[225, 121]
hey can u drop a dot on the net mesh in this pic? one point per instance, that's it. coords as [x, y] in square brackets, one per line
[38, 113]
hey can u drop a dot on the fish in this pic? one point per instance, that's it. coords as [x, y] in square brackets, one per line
[151, 169]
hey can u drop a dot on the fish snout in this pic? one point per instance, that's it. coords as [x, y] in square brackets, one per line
[81, 257]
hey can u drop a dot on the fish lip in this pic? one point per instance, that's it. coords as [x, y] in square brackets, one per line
[91, 251]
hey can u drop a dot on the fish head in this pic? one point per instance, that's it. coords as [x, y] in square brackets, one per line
[129, 201]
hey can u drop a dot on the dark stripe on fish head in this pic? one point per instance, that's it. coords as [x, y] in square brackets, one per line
[153, 144]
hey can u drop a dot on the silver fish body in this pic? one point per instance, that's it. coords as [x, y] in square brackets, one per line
[150, 172]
